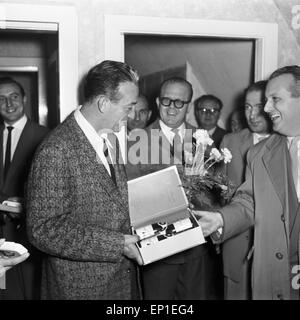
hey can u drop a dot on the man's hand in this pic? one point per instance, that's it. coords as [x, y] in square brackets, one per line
[15, 202]
[7, 263]
[209, 221]
[130, 249]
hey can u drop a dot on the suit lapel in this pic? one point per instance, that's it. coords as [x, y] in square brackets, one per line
[1, 156]
[246, 142]
[106, 181]
[274, 165]
[23, 145]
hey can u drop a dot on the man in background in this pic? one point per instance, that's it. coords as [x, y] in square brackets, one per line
[77, 195]
[236, 264]
[142, 114]
[19, 138]
[190, 274]
[207, 113]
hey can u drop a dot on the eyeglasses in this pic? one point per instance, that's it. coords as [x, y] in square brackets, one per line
[178, 104]
[206, 111]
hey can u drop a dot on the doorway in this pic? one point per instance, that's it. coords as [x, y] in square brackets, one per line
[31, 58]
[222, 67]
[55, 26]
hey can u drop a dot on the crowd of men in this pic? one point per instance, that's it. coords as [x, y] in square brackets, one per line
[73, 187]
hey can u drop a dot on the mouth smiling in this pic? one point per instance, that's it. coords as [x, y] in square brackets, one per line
[274, 117]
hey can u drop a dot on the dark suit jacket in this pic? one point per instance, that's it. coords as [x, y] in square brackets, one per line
[218, 136]
[78, 217]
[30, 138]
[235, 250]
[269, 193]
[22, 280]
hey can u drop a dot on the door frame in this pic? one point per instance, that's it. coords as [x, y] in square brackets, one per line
[265, 35]
[49, 18]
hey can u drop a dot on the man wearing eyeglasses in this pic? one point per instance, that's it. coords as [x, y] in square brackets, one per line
[207, 113]
[189, 274]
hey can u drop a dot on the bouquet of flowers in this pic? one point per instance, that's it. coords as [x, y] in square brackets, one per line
[207, 187]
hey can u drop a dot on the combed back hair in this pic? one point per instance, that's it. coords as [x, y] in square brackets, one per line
[198, 102]
[105, 79]
[295, 72]
[177, 80]
[9, 80]
[257, 86]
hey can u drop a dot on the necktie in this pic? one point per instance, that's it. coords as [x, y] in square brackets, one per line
[176, 145]
[7, 152]
[111, 167]
[295, 160]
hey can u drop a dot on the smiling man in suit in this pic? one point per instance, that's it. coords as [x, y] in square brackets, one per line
[191, 274]
[236, 264]
[77, 195]
[269, 198]
[19, 138]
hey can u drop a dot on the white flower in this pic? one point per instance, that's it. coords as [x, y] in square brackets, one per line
[215, 155]
[227, 155]
[202, 137]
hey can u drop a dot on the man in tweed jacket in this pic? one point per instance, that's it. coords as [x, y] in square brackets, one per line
[77, 200]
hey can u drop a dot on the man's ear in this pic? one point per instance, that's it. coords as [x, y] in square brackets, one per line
[149, 115]
[157, 102]
[24, 100]
[102, 104]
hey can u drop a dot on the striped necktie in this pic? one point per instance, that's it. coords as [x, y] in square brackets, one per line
[111, 167]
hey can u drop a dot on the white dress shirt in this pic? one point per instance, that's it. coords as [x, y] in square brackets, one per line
[167, 131]
[15, 135]
[289, 142]
[257, 137]
[97, 140]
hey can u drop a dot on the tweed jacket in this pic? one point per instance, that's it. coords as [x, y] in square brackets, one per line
[78, 217]
[236, 249]
[269, 192]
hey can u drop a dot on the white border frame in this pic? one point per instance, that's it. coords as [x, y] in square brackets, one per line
[51, 18]
[264, 34]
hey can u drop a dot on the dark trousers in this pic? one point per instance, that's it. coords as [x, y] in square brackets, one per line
[195, 279]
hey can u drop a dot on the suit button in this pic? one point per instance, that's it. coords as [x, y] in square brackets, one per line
[247, 237]
[128, 270]
[279, 255]
[282, 217]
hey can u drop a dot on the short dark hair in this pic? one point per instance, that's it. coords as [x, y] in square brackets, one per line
[293, 70]
[257, 86]
[209, 97]
[177, 80]
[105, 79]
[9, 80]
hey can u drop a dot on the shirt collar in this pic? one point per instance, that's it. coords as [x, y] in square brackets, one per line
[95, 138]
[20, 124]
[290, 140]
[211, 131]
[164, 127]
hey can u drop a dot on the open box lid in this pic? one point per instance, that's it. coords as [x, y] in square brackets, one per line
[155, 196]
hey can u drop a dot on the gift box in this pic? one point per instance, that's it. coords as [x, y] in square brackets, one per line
[159, 214]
